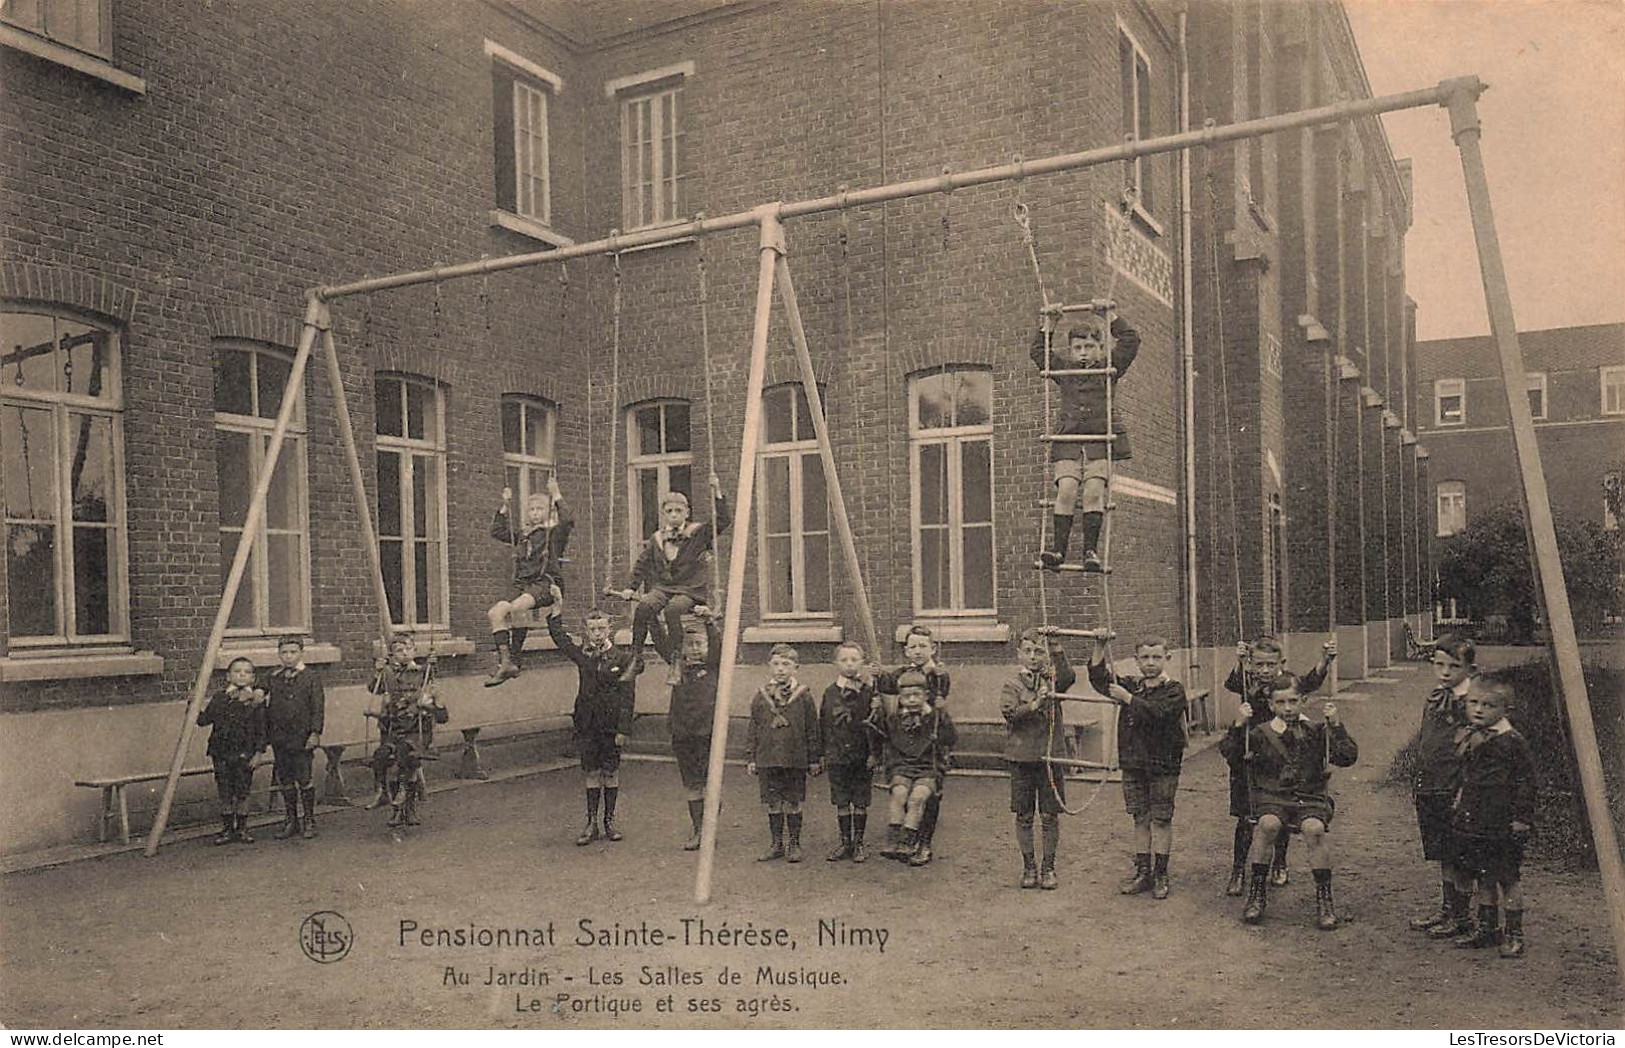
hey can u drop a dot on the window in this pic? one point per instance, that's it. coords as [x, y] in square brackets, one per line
[62, 446]
[85, 25]
[951, 479]
[248, 388]
[528, 427]
[1537, 394]
[1134, 75]
[1613, 390]
[1452, 507]
[1449, 401]
[1446, 611]
[411, 449]
[652, 155]
[520, 93]
[659, 459]
[793, 510]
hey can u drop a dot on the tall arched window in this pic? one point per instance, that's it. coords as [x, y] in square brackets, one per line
[950, 430]
[62, 449]
[792, 511]
[249, 384]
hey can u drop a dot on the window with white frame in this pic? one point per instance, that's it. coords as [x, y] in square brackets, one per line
[84, 25]
[1449, 401]
[411, 448]
[659, 459]
[520, 95]
[652, 154]
[528, 429]
[62, 450]
[1452, 499]
[249, 385]
[1613, 390]
[1536, 381]
[950, 430]
[1134, 81]
[793, 510]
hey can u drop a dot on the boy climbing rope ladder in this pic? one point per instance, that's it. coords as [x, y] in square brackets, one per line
[1084, 467]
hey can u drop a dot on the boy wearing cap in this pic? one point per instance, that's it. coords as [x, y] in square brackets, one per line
[1083, 466]
[672, 571]
[917, 738]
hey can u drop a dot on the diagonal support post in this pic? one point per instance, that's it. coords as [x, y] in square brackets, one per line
[1462, 103]
[832, 480]
[771, 247]
[316, 318]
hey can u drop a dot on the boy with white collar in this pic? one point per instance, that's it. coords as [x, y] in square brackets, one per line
[1493, 814]
[1288, 756]
[538, 569]
[294, 717]
[673, 571]
[851, 752]
[1150, 749]
[605, 706]
[782, 745]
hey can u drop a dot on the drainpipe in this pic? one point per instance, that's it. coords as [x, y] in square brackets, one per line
[1187, 336]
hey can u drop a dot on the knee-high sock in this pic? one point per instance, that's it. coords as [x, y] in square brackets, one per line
[1052, 838]
[593, 793]
[1063, 532]
[1091, 530]
[1242, 843]
[516, 642]
[845, 824]
[1024, 839]
[860, 822]
[928, 819]
[696, 814]
[611, 795]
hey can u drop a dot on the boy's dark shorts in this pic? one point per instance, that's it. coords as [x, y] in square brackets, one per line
[693, 760]
[849, 784]
[1292, 811]
[234, 775]
[1030, 788]
[598, 753]
[539, 590]
[1149, 793]
[1498, 859]
[291, 766]
[782, 785]
[1433, 820]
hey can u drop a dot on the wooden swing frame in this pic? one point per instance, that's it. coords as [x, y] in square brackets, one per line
[1459, 96]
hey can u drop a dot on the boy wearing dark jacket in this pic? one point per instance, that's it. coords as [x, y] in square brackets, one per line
[920, 648]
[917, 740]
[1030, 703]
[1150, 748]
[1438, 779]
[693, 707]
[237, 715]
[538, 552]
[605, 705]
[294, 716]
[673, 574]
[849, 753]
[781, 746]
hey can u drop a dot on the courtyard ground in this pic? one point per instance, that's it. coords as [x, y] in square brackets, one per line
[211, 937]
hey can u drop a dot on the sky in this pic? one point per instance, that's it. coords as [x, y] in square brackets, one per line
[1553, 144]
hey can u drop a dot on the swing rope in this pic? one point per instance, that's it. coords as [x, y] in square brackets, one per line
[710, 431]
[614, 407]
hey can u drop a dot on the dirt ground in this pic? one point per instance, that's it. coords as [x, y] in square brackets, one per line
[210, 937]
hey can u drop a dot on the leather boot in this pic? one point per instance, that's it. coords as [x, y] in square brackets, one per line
[290, 814]
[1237, 884]
[308, 830]
[1485, 933]
[228, 830]
[1512, 942]
[1257, 894]
[1457, 923]
[1325, 913]
[1439, 916]
[1029, 874]
[1140, 880]
[243, 836]
[409, 813]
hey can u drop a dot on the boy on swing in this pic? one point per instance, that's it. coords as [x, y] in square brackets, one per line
[538, 548]
[673, 572]
[1082, 467]
[920, 649]
[406, 721]
[1259, 671]
[917, 738]
[1288, 756]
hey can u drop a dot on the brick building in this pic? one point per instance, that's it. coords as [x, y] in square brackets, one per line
[177, 180]
[1576, 386]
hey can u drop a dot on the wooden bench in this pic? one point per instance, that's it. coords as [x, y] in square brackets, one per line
[116, 805]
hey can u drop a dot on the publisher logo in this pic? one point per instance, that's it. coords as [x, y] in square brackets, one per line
[325, 936]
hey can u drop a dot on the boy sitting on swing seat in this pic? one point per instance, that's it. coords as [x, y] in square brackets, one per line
[538, 550]
[1082, 467]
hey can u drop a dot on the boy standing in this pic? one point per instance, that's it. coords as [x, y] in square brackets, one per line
[293, 722]
[849, 755]
[693, 705]
[1150, 748]
[1494, 814]
[1030, 703]
[605, 705]
[1259, 672]
[1438, 778]
[1083, 466]
[782, 745]
[537, 571]
[237, 714]
[1288, 756]
[918, 741]
[673, 573]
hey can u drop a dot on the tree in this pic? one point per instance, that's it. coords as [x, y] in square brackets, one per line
[1485, 567]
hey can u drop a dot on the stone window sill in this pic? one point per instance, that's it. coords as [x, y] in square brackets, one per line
[439, 645]
[950, 631]
[60, 665]
[262, 650]
[90, 65]
[793, 633]
[527, 227]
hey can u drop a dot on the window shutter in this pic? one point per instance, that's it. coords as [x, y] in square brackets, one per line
[502, 136]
